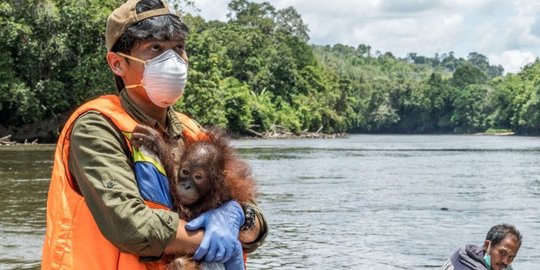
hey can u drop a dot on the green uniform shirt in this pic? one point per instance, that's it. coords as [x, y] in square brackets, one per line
[101, 164]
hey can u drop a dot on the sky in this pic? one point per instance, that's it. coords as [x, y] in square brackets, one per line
[506, 31]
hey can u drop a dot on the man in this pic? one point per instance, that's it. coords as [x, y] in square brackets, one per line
[109, 205]
[499, 250]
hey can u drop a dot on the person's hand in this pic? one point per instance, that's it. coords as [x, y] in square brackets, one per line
[237, 260]
[221, 228]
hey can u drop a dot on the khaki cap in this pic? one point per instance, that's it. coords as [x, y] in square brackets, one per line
[126, 16]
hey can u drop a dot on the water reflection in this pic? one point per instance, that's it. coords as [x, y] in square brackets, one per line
[363, 202]
[392, 202]
[24, 176]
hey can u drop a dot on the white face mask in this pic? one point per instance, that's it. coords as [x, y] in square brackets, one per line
[164, 77]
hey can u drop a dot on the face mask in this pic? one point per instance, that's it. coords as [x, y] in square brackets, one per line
[164, 77]
[487, 257]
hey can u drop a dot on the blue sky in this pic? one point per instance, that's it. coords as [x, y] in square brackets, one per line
[506, 31]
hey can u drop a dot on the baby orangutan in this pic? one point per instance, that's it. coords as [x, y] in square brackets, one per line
[202, 175]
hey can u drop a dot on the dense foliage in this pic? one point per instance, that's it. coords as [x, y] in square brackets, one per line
[257, 72]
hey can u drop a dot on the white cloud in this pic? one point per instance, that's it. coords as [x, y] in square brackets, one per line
[474, 6]
[330, 9]
[410, 6]
[211, 9]
[513, 60]
[507, 32]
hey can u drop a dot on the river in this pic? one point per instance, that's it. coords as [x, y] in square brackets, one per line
[361, 202]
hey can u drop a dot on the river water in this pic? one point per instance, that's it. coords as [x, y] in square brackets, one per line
[362, 202]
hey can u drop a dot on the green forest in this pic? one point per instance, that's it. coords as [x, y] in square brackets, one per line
[257, 72]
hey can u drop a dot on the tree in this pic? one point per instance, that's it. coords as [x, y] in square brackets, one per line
[481, 62]
[253, 15]
[469, 106]
[46, 68]
[289, 22]
[468, 74]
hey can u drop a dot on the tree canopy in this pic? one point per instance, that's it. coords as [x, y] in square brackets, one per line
[257, 71]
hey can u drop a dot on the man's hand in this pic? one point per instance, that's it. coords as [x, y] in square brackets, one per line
[237, 260]
[221, 227]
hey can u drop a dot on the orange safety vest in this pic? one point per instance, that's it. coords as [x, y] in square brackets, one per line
[73, 239]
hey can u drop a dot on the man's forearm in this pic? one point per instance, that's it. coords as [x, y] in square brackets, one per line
[251, 235]
[186, 242]
[253, 238]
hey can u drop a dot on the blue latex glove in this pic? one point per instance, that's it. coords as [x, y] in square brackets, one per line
[237, 260]
[221, 228]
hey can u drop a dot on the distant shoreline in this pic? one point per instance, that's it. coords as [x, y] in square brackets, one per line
[497, 132]
[6, 140]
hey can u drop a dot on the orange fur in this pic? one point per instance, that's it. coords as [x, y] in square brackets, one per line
[231, 177]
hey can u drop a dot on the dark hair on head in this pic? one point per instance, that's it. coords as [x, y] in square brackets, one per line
[499, 232]
[165, 27]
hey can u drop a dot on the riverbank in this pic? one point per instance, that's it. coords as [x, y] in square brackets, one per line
[42, 132]
[497, 132]
[47, 132]
[6, 140]
[280, 132]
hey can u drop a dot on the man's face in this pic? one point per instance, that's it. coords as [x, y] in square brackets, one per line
[130, 67]
[504, 253]
[146, 50]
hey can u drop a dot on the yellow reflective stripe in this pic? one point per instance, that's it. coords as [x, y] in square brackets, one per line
[140, 155]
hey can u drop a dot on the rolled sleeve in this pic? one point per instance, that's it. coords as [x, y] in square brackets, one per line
[251, 247]
[101, 165]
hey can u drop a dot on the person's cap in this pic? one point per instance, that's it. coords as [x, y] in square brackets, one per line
[126, 16]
